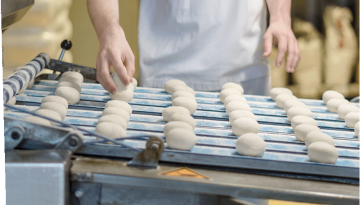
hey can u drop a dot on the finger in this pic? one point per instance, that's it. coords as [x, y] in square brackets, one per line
[281, 51]
[291, 55]
[120, 69]
[297, 56]
[268, 42]
[105, 78]
[130, 66]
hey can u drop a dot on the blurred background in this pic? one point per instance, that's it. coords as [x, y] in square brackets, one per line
[327, 32]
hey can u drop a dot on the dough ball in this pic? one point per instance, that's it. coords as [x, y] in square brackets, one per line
[182, 93]
[12, 101]
[110, 130]
[234, 115]
[126, 95]
[236, 105]
[282, 98]
[181, 139]
[188, 103]
[301, 119]
[333, 104]
[322, 152]
[119, 103]
[176, 124]
[356, 129]
[70, 94]
[231, 98]
[53, 98]
[183, 117]
[330, 94]
[71, 79]
[55, 106]
[245, 125]
[50, 114]
[167, 112]
[317, 136]
[250, 144]
[183, 88]
[295, 111]
[293, 103]
[344, 109]
[116, 119]
[135, 83]
[73, 74]
[302, 130]
[37, 120]
[120, 85]
[228, 91]
[117, 111]
[170, 84]
[351, 119]
[69, 84]
[274, 92]
[233, 85]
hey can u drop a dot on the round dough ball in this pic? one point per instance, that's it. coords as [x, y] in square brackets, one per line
[110, 130]
[344, 109]
[53, 98]
[116, 119]
[181, 139]
[228, 91]
[134, 83]
[183, 88]
[301, 119]
[304, 129]
[50, 114]
[236, 105]
[117, 111]
[293, 103]
[234, 115]
[182, 93]
[282, 98]
[120, 85]
[333, 104]
[55, 106]
[70, 94]
[245, 125]
[73, 74]
[233, 85]
[274, 92]
[356, 129]
[351, 119]
[69, 84]
[317, 136]
[176, 124]
[188, 103]
[251, 144]
[12, 101]
[231, 98]
[330, 94]
[119, 103]
[183, 117]
[126, 95]
[322, 152]
[295, 111]
[71, 79]
[167, 112]
[170, 84]
[37, 120]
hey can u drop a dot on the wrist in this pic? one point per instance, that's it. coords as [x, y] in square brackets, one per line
[106, 31]
[283, 19]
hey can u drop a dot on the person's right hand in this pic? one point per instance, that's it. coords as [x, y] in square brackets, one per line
[114, 51]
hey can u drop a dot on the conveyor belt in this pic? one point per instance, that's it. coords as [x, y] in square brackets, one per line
[216, 143]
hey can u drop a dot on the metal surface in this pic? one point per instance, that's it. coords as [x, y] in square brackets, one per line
[113, 174]
[37, 177]
[83, 193]
[149, 157]
[13, 10]
[88, 73]
[13, 136]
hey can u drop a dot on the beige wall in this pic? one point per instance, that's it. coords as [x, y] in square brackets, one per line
[85, 43]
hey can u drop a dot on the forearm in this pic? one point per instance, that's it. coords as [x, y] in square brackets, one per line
[104, 16]
[280, 11]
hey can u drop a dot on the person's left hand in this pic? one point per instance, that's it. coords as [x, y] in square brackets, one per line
[280, 33]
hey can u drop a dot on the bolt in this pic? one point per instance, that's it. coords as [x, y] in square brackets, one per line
[79, 193]
[154, 147]
[15, 135]
[73, 141]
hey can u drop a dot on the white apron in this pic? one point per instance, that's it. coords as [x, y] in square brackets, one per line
[205, 43]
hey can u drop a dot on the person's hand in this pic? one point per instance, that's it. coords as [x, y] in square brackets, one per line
[280, 33]
[114, 51]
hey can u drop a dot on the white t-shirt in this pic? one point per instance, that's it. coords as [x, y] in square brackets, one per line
[205, 43]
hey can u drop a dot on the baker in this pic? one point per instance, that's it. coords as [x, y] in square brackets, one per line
[204, 43]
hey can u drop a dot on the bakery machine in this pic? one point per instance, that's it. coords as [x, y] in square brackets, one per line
[70, 164]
